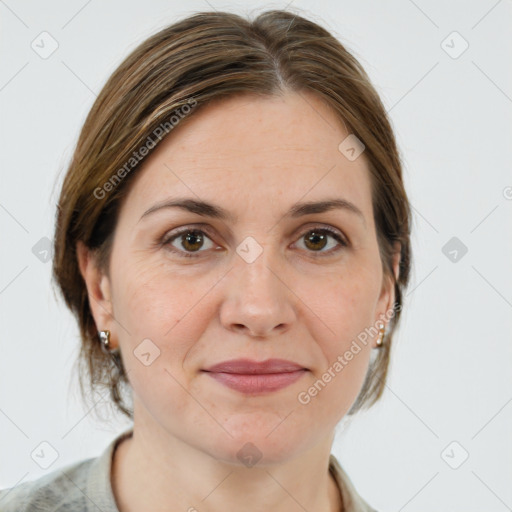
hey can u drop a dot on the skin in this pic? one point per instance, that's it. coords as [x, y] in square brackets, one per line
[254, 157]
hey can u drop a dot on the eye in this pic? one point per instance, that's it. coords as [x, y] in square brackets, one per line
[316, 239]
[190, 240]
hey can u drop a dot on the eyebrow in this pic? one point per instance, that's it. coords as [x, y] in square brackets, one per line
[300, 209]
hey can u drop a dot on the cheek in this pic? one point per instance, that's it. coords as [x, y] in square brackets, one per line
[151, 298]
[162, 318]
[347, 306]
[347, 302]
[168, 308]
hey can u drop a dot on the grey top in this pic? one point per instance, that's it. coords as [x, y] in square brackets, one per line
[85, 486]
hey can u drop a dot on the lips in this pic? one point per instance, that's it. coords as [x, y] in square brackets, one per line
[255, 378]
[250, 367]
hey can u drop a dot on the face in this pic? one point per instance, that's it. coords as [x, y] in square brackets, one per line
[188, 290]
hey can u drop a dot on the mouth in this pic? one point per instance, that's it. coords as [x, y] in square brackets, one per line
[256, 377]
[251, 367]
[254, 384]
[257, 383]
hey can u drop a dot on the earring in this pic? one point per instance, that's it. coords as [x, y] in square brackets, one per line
[105, 340]
[380, 341]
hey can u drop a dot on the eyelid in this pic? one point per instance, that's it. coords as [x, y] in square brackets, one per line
[312, 226]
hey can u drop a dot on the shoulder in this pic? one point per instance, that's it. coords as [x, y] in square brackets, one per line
[59, 490]
[80, 486]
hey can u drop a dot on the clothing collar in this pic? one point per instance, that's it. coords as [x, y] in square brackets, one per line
[352, 501]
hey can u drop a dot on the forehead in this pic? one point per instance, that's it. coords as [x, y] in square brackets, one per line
[250, 150]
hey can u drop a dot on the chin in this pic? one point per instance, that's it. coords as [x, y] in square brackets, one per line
[256, 447]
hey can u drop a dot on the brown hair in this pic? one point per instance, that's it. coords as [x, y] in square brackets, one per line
[205, 57]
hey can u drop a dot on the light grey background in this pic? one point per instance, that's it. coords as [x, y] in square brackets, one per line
[451, 373]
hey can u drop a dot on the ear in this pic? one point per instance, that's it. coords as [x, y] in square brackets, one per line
[387, 296]
[98, 291]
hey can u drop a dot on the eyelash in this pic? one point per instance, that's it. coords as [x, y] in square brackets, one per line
[166, 241]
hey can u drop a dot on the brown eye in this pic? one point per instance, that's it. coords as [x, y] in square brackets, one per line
[316, 239]
[190, 242]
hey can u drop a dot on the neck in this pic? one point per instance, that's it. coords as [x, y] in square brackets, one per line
[180, 477]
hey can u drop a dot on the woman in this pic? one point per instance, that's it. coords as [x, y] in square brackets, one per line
[233, 236]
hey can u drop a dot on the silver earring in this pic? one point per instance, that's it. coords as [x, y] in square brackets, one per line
[380, 340]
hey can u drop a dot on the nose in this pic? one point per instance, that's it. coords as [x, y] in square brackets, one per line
[258, 301]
